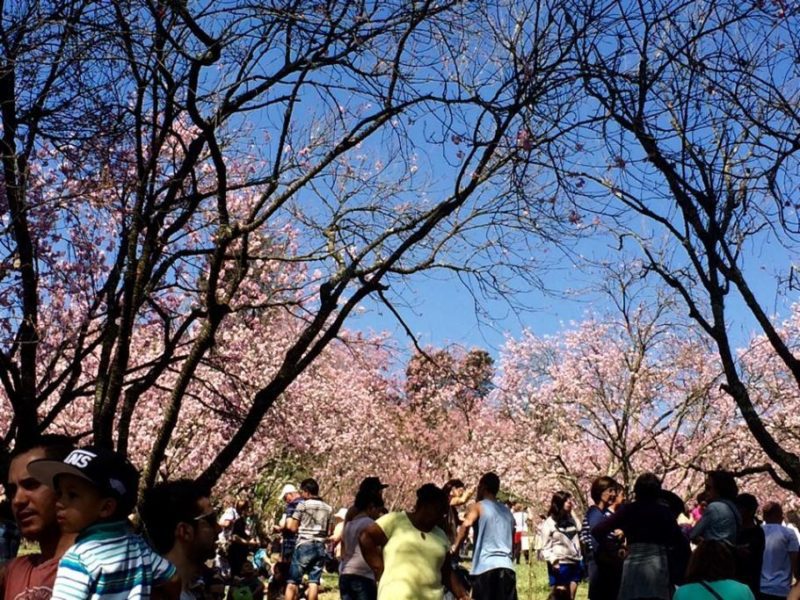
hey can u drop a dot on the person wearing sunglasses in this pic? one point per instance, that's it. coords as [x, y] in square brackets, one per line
[180, 522]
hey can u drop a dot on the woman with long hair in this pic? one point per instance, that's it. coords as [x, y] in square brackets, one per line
[561, 549]
[457, 495]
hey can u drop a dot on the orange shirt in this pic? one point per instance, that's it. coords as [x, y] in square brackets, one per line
[30, 578]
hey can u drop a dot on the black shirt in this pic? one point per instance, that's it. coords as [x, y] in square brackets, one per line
[750, 544]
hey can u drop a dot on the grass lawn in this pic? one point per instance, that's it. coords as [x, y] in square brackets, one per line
[531, 584]
[531, 581]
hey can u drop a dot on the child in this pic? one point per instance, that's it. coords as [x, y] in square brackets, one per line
[96, 491]
[247, 585]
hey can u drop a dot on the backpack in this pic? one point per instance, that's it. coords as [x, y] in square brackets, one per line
[241, 592]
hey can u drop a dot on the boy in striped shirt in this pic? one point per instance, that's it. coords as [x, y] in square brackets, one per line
[96, 491]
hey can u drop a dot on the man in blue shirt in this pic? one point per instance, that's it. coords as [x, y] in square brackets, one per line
[291, 496]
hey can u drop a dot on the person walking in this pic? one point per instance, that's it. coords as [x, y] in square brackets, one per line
[311, 521]
[520, 533]
[493, 575]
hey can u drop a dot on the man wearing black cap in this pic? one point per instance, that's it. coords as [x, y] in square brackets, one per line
[372, 484]
[96, 491]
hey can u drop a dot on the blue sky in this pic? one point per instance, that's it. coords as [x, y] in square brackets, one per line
[441, 311]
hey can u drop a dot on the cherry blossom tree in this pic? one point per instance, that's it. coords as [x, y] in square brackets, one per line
[618, 394]
[441, 382]
[692, 122]
[772, 387]
[168, 167]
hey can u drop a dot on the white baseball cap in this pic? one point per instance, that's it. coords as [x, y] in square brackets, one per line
[288, 489]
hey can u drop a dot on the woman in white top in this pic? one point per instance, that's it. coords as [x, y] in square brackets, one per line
[561, 545]
[356, 579]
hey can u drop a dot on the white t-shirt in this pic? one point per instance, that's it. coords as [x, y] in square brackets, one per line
[353, 562]
[230, 515]
[521, 521]
[794, 528]
[776, 570]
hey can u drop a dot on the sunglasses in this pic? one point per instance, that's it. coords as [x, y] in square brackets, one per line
[209, 517]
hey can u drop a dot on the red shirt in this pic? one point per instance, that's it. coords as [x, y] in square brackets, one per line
[30, 578]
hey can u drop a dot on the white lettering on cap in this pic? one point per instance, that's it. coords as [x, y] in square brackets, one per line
[80, 458]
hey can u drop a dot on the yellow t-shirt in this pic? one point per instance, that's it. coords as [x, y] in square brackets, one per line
[412, 560]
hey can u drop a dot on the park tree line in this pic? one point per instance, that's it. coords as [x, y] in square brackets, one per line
[193, 188]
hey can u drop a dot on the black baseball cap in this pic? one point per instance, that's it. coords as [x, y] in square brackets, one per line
[372, 484]
[108, 471]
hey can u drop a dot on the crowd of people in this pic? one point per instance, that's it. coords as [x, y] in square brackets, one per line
[98, 539]
[653, 548]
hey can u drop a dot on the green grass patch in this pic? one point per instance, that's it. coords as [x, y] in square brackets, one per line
[531, 584]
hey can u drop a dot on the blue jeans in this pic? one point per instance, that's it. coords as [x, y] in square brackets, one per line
[355, 587]
[308, 559]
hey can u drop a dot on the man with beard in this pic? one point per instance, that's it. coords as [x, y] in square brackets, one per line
[182, 526]
[33, 505]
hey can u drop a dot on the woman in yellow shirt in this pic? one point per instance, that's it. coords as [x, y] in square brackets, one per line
[407, 551]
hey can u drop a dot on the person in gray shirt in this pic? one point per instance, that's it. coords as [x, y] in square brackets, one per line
[311, 520]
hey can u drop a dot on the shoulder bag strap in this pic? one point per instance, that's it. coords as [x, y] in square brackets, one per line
[711, 591]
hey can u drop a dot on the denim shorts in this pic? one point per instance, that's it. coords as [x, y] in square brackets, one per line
[356, 587]
[565, 574]
[308, 559]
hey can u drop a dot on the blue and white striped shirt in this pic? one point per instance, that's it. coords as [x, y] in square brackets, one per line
[108, 561]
